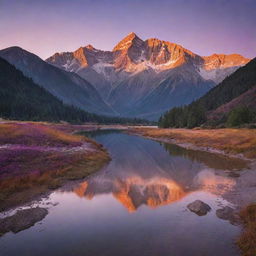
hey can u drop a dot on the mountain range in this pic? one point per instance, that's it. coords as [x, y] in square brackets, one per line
[22, 99]
[233, 97]
[146, 78]
[138, 78]
[66, 86]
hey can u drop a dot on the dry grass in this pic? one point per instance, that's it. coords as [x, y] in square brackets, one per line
[234, 141]
[32, 167]
[247, 241]
[20, 189]
[35, 134]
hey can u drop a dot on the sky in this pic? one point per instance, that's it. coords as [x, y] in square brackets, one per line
[202, 26]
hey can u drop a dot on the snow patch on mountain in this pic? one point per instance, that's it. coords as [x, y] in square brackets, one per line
[69, 65]
[100, 67]
[208, 75]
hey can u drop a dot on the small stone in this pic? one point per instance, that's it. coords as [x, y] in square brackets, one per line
[199, 207]
[228, 213]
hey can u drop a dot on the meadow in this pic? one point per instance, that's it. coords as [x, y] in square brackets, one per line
[228, 141]
[35, 158]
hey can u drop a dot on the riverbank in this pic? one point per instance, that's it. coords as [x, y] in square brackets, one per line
[247, 240]
[36, 158]
[232, 142]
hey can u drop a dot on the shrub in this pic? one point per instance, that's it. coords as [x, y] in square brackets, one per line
[239, 116]
[247, 241]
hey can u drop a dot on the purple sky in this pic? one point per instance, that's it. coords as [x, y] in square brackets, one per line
[202, 26]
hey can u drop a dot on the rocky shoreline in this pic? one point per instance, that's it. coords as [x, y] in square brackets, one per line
[22, 219]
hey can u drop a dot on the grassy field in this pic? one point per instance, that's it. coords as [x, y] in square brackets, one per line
[35, 158]
[247, 241]
[231, 141]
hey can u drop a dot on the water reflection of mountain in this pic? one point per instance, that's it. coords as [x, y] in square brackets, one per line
[143, 172]
[133, 192]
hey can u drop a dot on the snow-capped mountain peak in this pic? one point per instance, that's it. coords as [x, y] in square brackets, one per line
[137, 70]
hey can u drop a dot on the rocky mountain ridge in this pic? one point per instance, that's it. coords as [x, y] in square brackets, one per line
[133, 55]
[145, 78]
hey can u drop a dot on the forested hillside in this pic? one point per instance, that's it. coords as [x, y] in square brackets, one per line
[22, 99]
[197, 113]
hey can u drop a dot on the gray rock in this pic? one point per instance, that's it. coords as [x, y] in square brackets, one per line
[228, 213]
[225, 213]
[199, 207]
[22, 219]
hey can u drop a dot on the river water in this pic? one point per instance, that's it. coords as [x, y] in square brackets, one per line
[136, 205]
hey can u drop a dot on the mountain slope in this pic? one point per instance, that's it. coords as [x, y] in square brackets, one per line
[68, 87]
[22, 99]
[237, 90]
[183, 85]
[233, 86]
[137, 75]
[247, 99]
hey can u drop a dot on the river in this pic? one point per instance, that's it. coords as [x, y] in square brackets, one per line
[136, 205]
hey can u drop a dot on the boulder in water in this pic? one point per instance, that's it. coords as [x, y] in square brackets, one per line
[21, 220]
[199, 207]
[228, 213]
